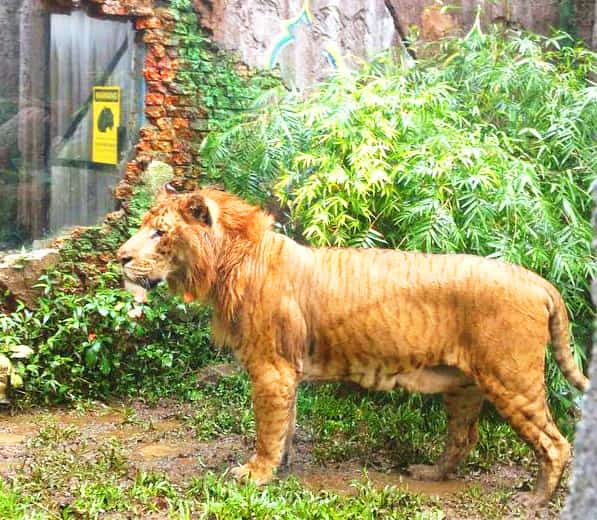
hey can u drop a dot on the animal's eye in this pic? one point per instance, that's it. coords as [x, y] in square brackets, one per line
[157, 233]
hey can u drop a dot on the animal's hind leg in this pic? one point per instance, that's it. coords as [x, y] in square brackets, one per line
[527, 411]
[463, 406]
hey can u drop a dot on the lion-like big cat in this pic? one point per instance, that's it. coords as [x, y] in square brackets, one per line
[465, 326]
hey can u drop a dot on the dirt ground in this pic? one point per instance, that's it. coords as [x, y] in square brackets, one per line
[160, 438]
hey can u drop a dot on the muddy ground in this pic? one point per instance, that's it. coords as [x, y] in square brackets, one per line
[161, 438]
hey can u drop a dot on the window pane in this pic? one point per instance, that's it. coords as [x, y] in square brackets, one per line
[53, 60]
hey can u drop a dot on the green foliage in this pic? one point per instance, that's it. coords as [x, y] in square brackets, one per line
[485, 147]
[84, 473]
[345, 424]
[223, 408]
[251, 155]
[213, 77]
[85, 345]
[223, 500]
[83, 342]
[68, 476]
[407, 428]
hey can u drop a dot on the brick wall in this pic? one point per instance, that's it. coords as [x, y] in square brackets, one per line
[179, 110]
[167, 135]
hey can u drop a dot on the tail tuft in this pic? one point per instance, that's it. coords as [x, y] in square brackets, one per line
[560, 341]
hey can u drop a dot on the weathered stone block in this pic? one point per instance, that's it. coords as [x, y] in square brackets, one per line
[145, 157]
[132, 168]
[163, 146]
[152, 74]
[189, 113]
[179, 122]
[153, 98]
[156, 86]
[180, 159]
[166, 135]
[181, 146]
[143, 146]
[164, 13]
[20, 272]
[167, 75]
[149, 133]
[163, 123]
[158, 50]
[140, 7]
[154, 36]
[155, 111]
[148, 22]
[113, 7]
[164, 63]
[185, 133]
[176, 88]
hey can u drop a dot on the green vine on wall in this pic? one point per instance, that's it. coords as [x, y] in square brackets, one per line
[221, 85]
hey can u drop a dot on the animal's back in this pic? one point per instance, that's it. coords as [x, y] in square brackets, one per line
[428, 309]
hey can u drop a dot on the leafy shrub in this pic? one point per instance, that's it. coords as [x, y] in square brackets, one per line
[485, 147]
[80, 341]
[85, 345]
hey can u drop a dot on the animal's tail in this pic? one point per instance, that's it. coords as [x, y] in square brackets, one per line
[560, 341]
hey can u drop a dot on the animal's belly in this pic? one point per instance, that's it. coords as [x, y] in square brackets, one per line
[382, 376]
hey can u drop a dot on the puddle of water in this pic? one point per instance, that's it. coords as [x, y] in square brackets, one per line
[431, 487]
[5, 466]
[155, 451]
[10, 439]
[167, 425]
[89, 420]
[340, 480]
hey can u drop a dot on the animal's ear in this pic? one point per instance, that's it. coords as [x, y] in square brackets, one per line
[196, 208]
[168, 188]
[166, 191]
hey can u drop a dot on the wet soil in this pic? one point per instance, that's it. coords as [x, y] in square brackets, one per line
[161, 438]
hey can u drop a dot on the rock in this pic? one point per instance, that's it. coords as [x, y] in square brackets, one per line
[20, 272]
[211, 375]
[582, 502]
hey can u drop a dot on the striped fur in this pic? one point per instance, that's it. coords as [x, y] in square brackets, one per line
[468, 327]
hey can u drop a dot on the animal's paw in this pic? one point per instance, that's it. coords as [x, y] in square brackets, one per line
[426, 472]
[531, 500]
[256, 470]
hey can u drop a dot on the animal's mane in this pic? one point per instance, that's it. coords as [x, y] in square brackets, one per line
[237, 218]
[239, 229]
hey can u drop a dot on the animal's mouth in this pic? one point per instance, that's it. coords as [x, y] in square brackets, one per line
[143, 282]
[149, 283]
[139, 286]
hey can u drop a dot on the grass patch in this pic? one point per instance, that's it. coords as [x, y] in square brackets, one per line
[72, 476]
[347, 424]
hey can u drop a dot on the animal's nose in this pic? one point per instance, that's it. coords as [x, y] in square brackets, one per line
[125, 259]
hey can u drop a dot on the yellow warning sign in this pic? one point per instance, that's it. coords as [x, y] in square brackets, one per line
[106, 119]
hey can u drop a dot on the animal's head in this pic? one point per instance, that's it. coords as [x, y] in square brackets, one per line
[188, 239]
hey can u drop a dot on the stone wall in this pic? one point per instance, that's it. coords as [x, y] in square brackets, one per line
[582, 501]
[309, 38]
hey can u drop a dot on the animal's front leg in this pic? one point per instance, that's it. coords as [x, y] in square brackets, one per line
[287, 450]
[273, 390]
